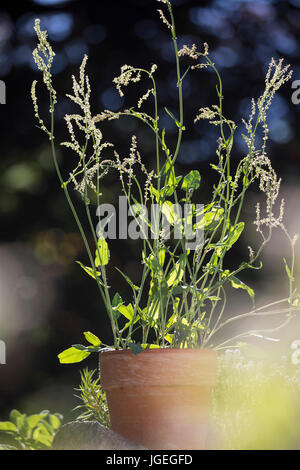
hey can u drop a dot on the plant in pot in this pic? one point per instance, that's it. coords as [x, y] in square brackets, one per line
[160, 368]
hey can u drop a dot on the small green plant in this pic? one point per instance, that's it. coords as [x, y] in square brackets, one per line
[255, 403]
[182, 294]
[94, 403]
[29, 432]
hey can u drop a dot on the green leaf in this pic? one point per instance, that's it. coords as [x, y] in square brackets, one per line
[91, 338]
[231, 238]
[133, 286]
[150, 346]
[256, 267]
[235, 233]
[191, 180]
[169, 212]
[217, 168]
[72, 355]
[214, 298]
[102, 253]
[127, 312]
[171, 181]
[172, 320]
[164, 145]
[17, 418]
[238, 284]
[22, 424]
[161, 256]
[155, 263]
[116, 301]
[154, 192]
[7, 426]
[55, 421]
[170, 173]
[168, 190]
[90, 272]
[153, 311]
[215, 215]
[42, 436]
[47, 427]
[169, 338]
[177, 272]
[33, 420]
[14, 415]
[135, 348]
[24, 429]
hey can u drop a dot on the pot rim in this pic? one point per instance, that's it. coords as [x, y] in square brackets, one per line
[159, 350]
[157, 367]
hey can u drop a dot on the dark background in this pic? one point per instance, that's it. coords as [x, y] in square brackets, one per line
[46, 301]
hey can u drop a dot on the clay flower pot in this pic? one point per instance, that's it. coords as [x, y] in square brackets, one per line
[160, 398]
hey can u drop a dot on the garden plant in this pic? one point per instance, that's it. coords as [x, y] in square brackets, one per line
[185, 288]
[182, 295]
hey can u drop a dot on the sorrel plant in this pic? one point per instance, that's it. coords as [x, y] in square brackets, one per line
[185, 290]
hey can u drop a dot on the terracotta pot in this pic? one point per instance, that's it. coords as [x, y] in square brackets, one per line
[160, 398]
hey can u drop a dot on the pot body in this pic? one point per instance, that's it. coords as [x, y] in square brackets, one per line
[160, 398]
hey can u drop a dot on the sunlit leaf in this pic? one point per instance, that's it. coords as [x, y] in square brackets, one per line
[91, 338]
[55, 421]
[8, 426]
[191, 180]
[169, 338]
[235, 233]
[215, 215]
[14, 415]
[72, 355]
[231, 238]
[150, 346]
[168, 209]
[238, 284]
[126, 311]
[102, 253]
[34, 419]
[90, 272]
[133, 286]
[116, 301]
[177, 272]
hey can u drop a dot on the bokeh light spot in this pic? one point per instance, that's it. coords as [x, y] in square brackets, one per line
[95, 33]
[76, 49]
[111, 99]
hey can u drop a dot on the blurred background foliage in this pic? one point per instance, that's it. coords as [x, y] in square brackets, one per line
[45, 299]
[255, 403]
